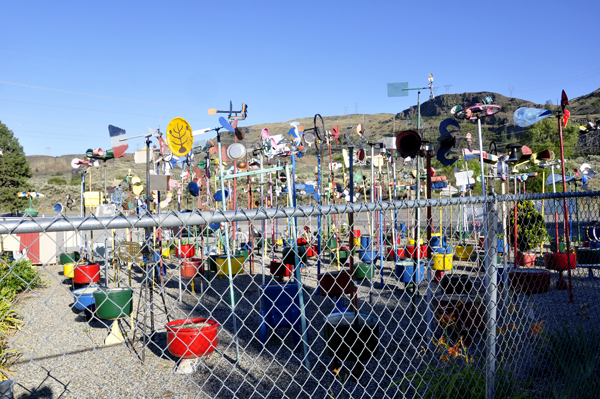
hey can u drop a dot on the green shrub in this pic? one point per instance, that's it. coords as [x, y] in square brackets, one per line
[58, 181]
[19, 276]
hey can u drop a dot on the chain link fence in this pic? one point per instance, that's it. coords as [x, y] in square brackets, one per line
[427, 299]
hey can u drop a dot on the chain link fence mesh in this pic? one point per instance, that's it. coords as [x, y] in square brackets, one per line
[423, 299]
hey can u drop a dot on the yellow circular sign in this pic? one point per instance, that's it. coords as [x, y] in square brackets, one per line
[179, 137]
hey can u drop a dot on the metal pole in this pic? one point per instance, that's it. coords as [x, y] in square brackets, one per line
[226, 247]
[484, 227]
[491, 302]
[291, 183]
[568, 232]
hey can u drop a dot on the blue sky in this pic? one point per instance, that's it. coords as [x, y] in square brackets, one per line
[69, 69]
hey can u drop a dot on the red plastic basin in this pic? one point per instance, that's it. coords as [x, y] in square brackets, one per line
[560, 261]
[413, 253]
[192, 342]
[85, 274]
[192, 267]
[185, 251]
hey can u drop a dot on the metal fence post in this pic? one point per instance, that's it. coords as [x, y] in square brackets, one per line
[491, 296]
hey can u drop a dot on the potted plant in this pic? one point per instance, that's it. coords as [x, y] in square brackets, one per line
[531, 232]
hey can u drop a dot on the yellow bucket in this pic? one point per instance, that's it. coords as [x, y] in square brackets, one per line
[464, 252]
[236, 265]
[357, 242]
[412, 242]
[69, 270]
[166, 252]
[279, 241]
[442, 262]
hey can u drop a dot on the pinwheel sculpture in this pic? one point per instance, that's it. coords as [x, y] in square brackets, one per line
[31, 195]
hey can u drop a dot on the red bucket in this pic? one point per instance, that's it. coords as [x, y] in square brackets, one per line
[302, 241]
[560, 261]
[185, 251]
[279, 269]
[192, 267]
[336, 283]
[85, 274]
[413, 253]
[191, 338]
[312, 251]
[356, 233]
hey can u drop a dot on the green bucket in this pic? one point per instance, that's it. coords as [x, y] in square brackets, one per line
[242, 252]
[331, 244]
[364, 270]
[112, 303]
[69, 257]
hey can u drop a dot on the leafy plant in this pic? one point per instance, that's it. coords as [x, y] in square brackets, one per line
[18, 276]
[531, 228]
[457, 375]
[57, 181]
[574, 358]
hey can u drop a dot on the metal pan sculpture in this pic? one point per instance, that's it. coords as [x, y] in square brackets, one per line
[524, 116]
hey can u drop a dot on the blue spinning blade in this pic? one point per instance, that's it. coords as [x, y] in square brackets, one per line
[557, 179]
[528, 116]
[226, 124]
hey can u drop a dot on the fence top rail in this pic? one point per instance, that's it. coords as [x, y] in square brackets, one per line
[28, 224]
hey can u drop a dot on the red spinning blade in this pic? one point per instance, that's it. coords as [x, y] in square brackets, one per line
[335, 132]
[564, 100]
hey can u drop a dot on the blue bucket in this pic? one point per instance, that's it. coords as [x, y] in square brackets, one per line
[403, 229]
[365, 241]
[501, 248]
[280, 304]
[245, 246]
[437, 241]
[406, 271]
[368, 255]
[84, 297]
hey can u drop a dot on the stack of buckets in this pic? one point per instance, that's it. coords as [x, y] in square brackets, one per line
[442, 255]
[367, 256]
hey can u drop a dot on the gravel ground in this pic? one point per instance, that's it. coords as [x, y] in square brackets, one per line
[63, 354]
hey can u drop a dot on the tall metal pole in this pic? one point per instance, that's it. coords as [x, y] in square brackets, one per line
[564, 181]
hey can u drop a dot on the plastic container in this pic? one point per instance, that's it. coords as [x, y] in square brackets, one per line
[334, 284]
[437, 240]
[191, 338]
[464, 252]
[365, 241]
[69, 257]
[312, 251]
[407, 271]
[192, 267]
[588, 256]
[529, 281]
[413, 253]
[84, 297]
[280, 304]
[86, 274]
[185, 251]
[560, 261]
[364, 270]
[368, 255]
[442, 262]
[280, 269]
[236, 265]
[113, 303]
[350, 339]
[69, 270]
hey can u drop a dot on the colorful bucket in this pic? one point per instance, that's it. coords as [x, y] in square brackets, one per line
[69, 270]
[442, 262]
[84, 297]
[236, 265]
[189, 343]
[113, 303]
[464, 252]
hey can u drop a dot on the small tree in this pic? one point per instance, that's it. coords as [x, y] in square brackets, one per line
[14, 172]
[531, 227]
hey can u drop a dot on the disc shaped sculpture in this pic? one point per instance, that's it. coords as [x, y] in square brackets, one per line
[351, 338]
[113, 303]
[191, 338]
